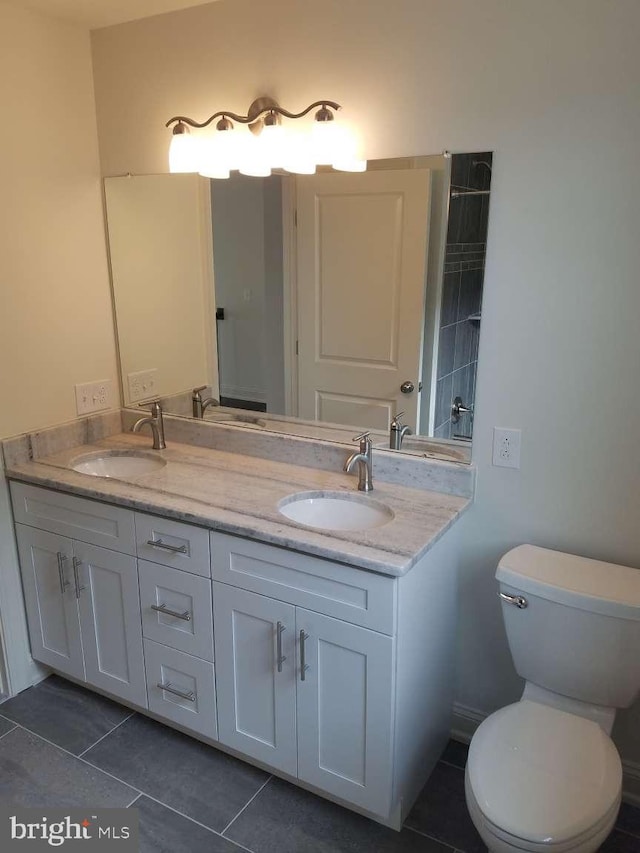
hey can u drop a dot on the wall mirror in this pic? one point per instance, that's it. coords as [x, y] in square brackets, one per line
[317, 304]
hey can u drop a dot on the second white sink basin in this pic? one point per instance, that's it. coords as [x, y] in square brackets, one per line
[335, 511]
[118, 464]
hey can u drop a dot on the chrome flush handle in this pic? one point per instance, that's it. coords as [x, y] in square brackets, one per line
[518, 601]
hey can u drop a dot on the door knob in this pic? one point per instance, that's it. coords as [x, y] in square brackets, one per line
[407, 387]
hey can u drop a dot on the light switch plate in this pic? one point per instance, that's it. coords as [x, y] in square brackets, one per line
[506, 447]
[142, 384]
[94, 396]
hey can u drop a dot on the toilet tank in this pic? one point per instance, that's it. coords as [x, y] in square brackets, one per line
[579, 634]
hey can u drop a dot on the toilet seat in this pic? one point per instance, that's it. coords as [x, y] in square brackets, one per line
[500, 841]
[543, 778]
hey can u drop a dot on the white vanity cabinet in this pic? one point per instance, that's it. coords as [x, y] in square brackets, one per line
[300, 690]
[83, 609]
[334, 676]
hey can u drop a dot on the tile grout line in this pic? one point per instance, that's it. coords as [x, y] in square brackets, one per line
[135, 800]
[82, 760]
[13, 728]
[197, 822]
[625, 832]
[139, 791]
[246, 805]
[106, 735]
[431, 838]
[449, 764]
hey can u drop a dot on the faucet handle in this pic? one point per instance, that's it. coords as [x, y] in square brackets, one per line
[198, 390]
[396, 419]
[156, 408]
[365, 441]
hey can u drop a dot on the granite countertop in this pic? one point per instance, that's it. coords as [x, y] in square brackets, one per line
[239, 494]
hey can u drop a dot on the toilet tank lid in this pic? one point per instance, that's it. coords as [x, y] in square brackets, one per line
[573, 581]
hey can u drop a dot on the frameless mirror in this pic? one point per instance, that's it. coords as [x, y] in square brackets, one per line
[315, 305]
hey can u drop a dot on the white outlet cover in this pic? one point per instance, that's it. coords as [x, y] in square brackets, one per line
[506, 447]
[94, 396]
[142, 384]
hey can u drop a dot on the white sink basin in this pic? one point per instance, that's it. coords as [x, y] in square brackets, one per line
[117, 463]
[335, 511]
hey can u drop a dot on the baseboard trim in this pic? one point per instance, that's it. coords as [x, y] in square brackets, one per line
[466, 720]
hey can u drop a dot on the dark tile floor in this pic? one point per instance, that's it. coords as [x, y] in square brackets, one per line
[65, 746]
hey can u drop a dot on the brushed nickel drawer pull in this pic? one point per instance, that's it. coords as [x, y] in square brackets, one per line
[304, 666]
[162, 608]
[174, 549]
[280, 657]
[76, 575]
[191, 696]
[64, 583]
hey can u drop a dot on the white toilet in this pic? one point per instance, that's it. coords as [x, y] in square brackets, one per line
[543, 774]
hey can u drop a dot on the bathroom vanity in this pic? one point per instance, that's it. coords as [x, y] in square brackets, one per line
[324, 656]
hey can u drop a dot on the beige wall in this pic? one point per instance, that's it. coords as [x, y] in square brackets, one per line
[56, 302]
[552, 88]
[160, 250]
[55, 320]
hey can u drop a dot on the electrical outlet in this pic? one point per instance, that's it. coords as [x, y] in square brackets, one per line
[94, 396]
[506, 447]
[142, 384]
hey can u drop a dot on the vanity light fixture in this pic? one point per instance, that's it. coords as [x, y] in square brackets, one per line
[270, 145]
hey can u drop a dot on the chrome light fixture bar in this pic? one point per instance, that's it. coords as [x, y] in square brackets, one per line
[271, 145]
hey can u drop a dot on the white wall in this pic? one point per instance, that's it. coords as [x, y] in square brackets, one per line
[55, 321]
[552, 89]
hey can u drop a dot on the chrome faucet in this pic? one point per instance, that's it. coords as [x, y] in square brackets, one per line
[364, 458]
[155, 422]
[397, 432]
[199, 405]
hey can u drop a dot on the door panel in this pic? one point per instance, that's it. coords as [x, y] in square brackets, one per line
[362, 252]
[109, 604]
[345, 711]
[256, 702]
[52, 610]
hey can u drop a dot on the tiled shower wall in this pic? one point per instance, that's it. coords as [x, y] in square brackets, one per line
[462, 293]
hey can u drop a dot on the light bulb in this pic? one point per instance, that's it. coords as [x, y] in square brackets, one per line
[299, 157]
[327, 141]
[253, 159]
[219, 154]
[183, 151]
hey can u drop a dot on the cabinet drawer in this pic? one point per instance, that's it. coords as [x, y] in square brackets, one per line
[78, 518]
[189, 596]
[181, 546]
[171, 673]
[354, 595]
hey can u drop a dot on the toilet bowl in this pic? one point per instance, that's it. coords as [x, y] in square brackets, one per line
[538, 778]
[543, 774]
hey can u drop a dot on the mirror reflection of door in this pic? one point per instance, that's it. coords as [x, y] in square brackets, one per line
[362, 251]
[361, 247]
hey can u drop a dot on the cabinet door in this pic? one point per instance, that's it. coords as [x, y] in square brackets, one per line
[107, 589]
[345, 710]
[256, 693]
[49, 594]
